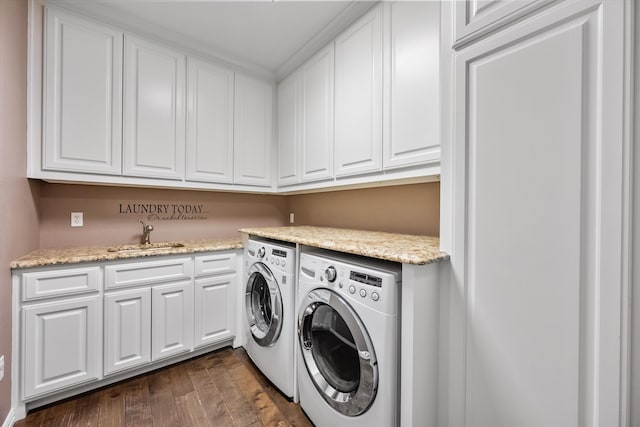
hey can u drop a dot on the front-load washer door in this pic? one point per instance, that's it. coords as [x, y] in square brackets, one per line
[263, 305]
[337, 352]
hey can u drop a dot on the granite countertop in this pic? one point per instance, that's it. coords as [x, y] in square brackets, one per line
[404, 248]
[44, 257]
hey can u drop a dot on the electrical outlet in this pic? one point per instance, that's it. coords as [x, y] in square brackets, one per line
[76, 219]
[291, 218]
[1, 367]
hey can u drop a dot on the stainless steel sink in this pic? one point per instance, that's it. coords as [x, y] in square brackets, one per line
[151, 247]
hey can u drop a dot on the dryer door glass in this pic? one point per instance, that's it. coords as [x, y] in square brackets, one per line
[263, 305]
[338, 352]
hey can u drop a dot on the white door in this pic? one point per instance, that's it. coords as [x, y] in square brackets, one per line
[252, 131]
[316, 131]
[358, 96]
[127, 329]
[172, 319]
[215, 309]
[60, 345]
[209, 122]
[412, 84]
[154, 110]
[538, 235]
[289, 129]
[82, 95]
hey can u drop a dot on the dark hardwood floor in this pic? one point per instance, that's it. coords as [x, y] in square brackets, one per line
[223, 388]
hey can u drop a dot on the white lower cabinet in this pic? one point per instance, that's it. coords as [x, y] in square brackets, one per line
[75, 326]
[172, 319]
[127, 329]
[60, 344]
[214, 309]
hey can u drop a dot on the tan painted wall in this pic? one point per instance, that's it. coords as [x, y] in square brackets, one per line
[105, 224]
[18, 197]
[413, 209]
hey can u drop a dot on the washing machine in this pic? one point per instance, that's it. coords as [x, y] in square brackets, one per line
[348, 332]
[270, 269]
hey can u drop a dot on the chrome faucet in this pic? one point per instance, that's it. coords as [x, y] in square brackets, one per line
[146, 233]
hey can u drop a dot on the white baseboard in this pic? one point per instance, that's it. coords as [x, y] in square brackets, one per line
[10, 420]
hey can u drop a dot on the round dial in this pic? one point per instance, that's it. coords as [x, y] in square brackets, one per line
[331, 274]
[261, 252]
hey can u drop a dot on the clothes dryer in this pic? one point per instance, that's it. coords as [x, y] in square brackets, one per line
[270, 311]
[348, 332]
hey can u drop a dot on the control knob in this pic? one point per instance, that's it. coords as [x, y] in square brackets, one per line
[331, 274]
[261, 252]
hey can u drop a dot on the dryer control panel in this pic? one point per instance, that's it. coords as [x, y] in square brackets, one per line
[367, 284]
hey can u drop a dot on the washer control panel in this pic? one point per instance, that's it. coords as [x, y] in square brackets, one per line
[276, 257]
[366, 284]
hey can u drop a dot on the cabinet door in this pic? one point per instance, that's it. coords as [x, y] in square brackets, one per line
[358, 103]
[82, 95]
[317, 116]
[538, 137]
[154, 110]
[127, 329]
[209, 122]
[252, 131]
[215, 310]
[289, 129]
[412, 116]
[475, 18]
[61, 345]
[172, 319]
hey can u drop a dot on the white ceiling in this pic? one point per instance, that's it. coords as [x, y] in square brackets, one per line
[264, 34]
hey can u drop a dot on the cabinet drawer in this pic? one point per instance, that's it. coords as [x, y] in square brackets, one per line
[148, 272]
[46, 284]
[210, 265]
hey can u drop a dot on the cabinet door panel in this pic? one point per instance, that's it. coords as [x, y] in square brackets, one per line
[288, 129]
[476, 18]
[535, 144]
[317, 116]
[61, 345]
[215, 309]
[209, 123]
[172, 319]
[127, 329]
[252, 131]
[154, 110]
[82, 95]
[358, 103]
[413, 85]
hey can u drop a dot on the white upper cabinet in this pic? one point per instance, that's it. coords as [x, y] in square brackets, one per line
[154, 110]
[358, 96]
[305, 121]
[209, 122]
[289, 105]
[82, 114]
[252, 131]
[316, 129]
[476, 18]
[412, 84]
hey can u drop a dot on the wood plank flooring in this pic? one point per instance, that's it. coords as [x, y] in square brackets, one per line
[223, 388]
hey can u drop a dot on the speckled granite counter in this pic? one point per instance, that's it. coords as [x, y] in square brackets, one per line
[405, 248]
[44, 257]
